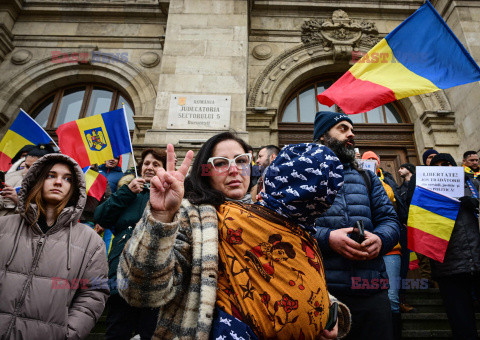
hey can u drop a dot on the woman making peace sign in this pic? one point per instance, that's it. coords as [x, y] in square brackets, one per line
[210, 259]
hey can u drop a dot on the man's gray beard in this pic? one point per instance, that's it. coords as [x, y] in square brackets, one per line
[346, 154]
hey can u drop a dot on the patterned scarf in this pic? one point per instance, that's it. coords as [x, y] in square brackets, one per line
[302, 182]
[470, 171]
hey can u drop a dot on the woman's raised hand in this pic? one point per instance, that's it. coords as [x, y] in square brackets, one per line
[167, 187]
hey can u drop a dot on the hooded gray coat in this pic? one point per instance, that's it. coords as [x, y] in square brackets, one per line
[51, 285]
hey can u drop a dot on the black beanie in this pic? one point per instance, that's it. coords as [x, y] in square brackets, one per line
[443, 157]
[324, 120]
[409, 166]
[428, 153]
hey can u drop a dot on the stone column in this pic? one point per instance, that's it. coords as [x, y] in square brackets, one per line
[9, 11]
[205, 53]
[463, 17]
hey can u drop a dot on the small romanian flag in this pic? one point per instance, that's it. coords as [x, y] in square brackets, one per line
[421, 55]
[24, 131]
[96, 183]
[413, 264]
[95, 139]
[431, 219]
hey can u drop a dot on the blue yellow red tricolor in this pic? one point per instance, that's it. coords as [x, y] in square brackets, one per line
[431, 219]
[24, 131]
[421, 55]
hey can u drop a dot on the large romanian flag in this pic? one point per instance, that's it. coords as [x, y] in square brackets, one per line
[24, 131]
[431, 219]
[421, 55]
[95, 139]
[96, 183]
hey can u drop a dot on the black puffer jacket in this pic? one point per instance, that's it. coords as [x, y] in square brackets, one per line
[463, 252]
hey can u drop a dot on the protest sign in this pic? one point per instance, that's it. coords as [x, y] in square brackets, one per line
[367, 164]
[447, 180]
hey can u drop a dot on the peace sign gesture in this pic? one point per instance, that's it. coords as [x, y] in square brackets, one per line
[167, 187]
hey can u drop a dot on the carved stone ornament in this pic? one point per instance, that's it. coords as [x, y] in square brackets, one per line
[262, 51]
[340, 33]
[21, 57]
[149, 59]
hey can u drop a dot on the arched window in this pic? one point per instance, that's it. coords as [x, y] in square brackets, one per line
[302, 105]
[79, 101]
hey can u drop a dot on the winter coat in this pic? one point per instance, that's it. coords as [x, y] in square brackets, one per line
[463, 251]
[49, 282]
[354, 203]
[120, 213]
[113, 175]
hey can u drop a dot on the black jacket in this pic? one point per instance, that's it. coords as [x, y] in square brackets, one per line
[463, 251]
[120, 213]
[400, 206]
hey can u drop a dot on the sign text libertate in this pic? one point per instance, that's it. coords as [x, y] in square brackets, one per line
[199, 112]
[447, 180]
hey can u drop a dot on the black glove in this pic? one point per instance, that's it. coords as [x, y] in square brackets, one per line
[470, 203]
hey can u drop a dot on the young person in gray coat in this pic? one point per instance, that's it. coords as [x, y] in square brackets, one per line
[53, 270]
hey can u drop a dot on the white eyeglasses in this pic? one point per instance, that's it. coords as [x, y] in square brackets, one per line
[222, 164]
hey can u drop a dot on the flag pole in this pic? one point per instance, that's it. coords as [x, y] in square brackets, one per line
[130, 140]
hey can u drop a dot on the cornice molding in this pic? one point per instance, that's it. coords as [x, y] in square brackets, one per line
[110, 10]
[386, 6]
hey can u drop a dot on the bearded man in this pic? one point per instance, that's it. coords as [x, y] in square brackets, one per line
[355, 272]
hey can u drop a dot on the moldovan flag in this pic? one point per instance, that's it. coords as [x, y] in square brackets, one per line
[421, 55]
[24, 131]
[95, 139]
[96, 183]
[431, 219]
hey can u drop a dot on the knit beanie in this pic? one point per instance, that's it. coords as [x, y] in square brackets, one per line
[370, 154]
[324, 120]
[446, 157]
[409, 166]
[428, 153]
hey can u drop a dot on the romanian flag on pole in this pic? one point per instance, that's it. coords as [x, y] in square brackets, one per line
[95, 139]
[421, 55]
[431, 219]
[96, 183]
[24, 131]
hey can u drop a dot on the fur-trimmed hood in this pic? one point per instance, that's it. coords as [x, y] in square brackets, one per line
[71, 213]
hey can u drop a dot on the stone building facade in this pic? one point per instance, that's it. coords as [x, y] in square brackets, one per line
[264, 56]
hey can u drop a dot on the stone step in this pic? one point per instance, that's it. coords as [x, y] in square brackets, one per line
[422, 293]
[427, 305]
[426, 334]
[428, 321]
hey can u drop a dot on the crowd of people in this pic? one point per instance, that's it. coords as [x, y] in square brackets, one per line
[295, 243]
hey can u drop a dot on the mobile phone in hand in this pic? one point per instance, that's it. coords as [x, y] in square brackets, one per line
[358, 233]
[332, 316]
